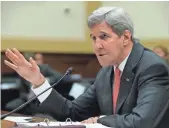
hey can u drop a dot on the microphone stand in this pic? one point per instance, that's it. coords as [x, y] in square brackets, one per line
[33, 98]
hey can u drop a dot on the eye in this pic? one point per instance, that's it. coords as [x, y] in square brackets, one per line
[93, 38]
[103, 36]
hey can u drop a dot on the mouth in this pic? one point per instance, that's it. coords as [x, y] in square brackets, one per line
[102, 55]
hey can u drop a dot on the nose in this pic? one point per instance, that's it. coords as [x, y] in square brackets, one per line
[98, 44]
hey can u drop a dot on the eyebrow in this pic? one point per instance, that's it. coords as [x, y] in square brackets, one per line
[102, 32]
[90, 35]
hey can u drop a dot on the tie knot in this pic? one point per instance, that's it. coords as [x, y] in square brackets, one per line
[117, 71]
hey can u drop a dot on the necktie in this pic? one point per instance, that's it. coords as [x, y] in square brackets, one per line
[116, 87]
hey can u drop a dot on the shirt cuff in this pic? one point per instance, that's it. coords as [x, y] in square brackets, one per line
[40, 89]
[102, 116]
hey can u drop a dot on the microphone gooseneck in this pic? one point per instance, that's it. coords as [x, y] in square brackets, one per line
[69, 71]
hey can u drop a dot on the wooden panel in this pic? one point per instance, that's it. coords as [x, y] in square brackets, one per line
[85, 64]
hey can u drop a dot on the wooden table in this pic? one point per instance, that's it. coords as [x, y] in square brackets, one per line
[6, 123]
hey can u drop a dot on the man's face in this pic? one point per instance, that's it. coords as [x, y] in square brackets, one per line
[159, 52]
[108, 46]
[39, 58]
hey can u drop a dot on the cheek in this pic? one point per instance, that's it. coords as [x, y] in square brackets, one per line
[162, 55]
[94, 49]
[114, 47]
[116, 50]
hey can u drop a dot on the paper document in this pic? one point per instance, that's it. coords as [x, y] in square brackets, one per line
[24, 121]
[96, 125]
[18, 119]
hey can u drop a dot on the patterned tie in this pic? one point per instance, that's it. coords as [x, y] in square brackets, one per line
[116, 87]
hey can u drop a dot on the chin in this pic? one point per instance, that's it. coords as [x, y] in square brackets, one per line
[105, 64]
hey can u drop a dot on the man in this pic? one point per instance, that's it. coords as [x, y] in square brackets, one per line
[130, 91]
[38, 57]
[51, 75]
[162, 51]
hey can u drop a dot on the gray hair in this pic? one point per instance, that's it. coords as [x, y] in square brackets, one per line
[116, 17]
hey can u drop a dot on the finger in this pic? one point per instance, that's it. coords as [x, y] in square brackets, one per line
[91, 121]
[11, 56]
[88, 121]
[33, 63]
[20, 56]
[14, 67]
[95, 119]
[84, 121]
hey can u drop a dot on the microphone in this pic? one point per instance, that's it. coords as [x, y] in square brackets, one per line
[69, 71]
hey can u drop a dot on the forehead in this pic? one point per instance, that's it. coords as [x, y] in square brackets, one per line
[38, 56]
[158, 49]
[102, 27]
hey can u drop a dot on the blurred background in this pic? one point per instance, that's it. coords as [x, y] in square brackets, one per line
[56, 35]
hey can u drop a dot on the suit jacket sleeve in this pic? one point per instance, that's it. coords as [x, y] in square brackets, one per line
[60, 108]
[152, 101]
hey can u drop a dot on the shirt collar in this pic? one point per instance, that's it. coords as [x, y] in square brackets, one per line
[123, 63]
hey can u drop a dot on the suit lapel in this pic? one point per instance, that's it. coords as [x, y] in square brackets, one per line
[128, 75]
[125, 86]
[107, 92]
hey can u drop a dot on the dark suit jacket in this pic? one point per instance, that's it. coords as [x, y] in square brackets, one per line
[143, 98]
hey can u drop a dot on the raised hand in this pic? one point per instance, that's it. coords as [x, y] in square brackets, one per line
[29, 70]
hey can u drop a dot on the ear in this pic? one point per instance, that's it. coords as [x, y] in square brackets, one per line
[127, 37]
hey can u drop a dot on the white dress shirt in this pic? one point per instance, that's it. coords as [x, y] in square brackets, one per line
[122, 64]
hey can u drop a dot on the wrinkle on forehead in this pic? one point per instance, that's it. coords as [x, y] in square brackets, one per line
[101, 28]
